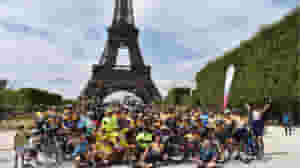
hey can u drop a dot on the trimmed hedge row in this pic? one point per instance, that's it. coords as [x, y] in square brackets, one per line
[266, 66]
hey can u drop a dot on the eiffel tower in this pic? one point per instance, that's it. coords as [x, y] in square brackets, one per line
[107, 76]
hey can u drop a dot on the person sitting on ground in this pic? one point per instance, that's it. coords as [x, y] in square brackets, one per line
[40, 120]
[143, 139]
[67, 122]
[204, 118]
[228, 125]
[154, 152]
[109, 125]
[110, 121]
[52, 125]
[192, 143]
[221, 138]
[81, 147]
[104, 149]
[206, 156]
[87, 126]
[97, 156]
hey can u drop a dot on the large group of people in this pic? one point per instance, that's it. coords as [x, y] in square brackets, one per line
[148, 137]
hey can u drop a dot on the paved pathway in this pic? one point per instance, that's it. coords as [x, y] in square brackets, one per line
[280, 151]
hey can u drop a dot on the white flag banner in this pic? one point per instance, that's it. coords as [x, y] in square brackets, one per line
[228, 82]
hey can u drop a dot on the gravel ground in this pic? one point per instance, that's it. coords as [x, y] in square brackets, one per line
[280, 151]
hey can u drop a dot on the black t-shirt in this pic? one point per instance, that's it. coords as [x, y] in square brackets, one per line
[171, 123]
[124, 123]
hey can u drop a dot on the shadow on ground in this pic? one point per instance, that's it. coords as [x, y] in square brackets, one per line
[274, 155]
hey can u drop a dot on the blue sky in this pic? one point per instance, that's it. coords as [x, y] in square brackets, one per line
[51, 44]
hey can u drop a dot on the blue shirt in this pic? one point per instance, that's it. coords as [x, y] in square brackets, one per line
[68, 124]
[285, 119]
[204, 119]
[207, 154]
[80, 148]
[82, 122]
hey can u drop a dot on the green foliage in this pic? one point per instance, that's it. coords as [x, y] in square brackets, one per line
[37, 96]
[179, 96]
[26, 98]
[187, 100]
[266, 66]
[70, 101]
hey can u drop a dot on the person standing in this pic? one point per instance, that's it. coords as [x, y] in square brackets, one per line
[287, 124]
[256, 114]
[20, 141]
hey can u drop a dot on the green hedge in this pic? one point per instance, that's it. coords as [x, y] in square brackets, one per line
[25, 99]
[179, 96]
[266, 66]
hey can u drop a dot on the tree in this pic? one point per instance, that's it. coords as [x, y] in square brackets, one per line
[69, 101]
[187, 100]
[34, 96]
[176, 95]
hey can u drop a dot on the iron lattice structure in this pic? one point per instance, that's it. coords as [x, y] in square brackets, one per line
[107, 76]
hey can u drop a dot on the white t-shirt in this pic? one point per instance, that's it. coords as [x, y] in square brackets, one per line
[257, 115]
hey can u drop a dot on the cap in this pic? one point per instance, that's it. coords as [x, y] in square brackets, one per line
[227, 111]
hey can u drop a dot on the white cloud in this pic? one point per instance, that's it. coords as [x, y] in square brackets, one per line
[205, 27]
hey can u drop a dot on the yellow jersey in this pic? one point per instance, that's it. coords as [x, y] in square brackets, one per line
[107, 149]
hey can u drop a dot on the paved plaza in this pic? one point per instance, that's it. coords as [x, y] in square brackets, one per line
[280, 151]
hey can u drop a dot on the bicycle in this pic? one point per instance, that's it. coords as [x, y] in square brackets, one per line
[52, 148]
[29, 158]
[64, 140]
